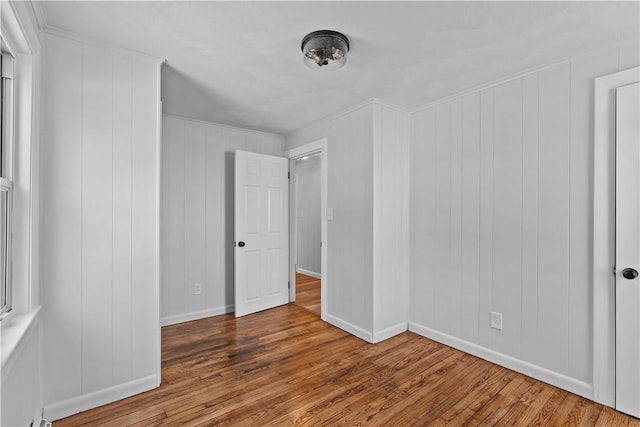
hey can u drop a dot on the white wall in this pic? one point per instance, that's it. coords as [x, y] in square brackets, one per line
[501, 219]
[308, 219]
[349, 299]
[197, 214]
[367, 240]
[100, 168]
[390, 221]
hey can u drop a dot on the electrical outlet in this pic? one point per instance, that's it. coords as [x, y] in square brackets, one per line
[197, 288]
[496, 320]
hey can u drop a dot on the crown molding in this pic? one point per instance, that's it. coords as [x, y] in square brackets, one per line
[19, 27]
[234, 128]
[38, 13]
[56, 32]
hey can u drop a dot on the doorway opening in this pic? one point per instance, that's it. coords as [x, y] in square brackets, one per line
[305, 174]
[308, 243]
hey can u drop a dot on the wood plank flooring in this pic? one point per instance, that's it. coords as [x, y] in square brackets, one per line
[285, 367]
[308, 292]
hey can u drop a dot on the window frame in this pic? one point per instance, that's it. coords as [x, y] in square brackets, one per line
[6, 183]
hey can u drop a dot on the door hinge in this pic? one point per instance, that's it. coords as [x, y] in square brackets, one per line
[289, 285]
[288, 175]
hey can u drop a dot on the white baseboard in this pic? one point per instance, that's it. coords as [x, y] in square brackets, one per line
[348, 327]
[559, 380]
[58, 410]
[389, 332]
[195, 315]
[309, 273]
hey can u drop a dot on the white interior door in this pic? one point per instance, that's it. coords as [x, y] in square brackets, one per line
[628, 249]
[261, 232]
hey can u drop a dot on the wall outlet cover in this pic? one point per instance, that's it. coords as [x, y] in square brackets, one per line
[496, 320]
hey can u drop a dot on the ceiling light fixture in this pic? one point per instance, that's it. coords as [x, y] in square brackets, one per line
[325, 50]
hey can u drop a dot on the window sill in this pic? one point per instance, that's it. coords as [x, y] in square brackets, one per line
[14, 329]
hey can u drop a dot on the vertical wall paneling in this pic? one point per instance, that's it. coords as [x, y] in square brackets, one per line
[194, 215]
[61, 229]
[121, 178]
[100, 237]
[442, 283]
[583, 71]
[470, 217]
[97, 220]
[144, 271]
[423, 224]
[175, 297]
[485, 302]
[390, 222]
[507, 214]
[164, 219]
[197, 231]
[214, 220]
[456, 218]
[553, 231]
[526, 219]
[529, 268]
[368, 236]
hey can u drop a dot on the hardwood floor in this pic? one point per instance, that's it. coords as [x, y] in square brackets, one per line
[308, 293]
[285, 366]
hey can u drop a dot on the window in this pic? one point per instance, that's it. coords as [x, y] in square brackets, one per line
[6, 185]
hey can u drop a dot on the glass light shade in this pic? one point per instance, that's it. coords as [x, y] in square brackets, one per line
[325, 50]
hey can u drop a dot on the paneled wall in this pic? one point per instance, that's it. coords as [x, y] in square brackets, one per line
[100, 169]
[367, 247]
[197, 215]
[308, 215]
[390, 221]
[501, 219]
[350, 233]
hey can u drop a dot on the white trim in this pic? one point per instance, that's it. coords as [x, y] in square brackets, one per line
[188, 119]
[78, 404]
[604, 233]
[309, 273]
[350, 328]
[38, 13]
[37, 417]
[321, 146]
[55, 32]
[562, 381]
[158, 256]
[28, 23]
[196, 315]
[389, 332]
[15, 331]
[521, 74]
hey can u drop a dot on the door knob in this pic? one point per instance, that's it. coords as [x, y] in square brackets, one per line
[241, 244]
[629, 273]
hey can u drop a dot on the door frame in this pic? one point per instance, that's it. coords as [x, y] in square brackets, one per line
[319, 146]
[604, 233]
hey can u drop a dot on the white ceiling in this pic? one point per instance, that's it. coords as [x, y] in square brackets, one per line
[239, 63]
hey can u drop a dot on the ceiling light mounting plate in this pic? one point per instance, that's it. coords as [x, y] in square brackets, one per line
[325, 50]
